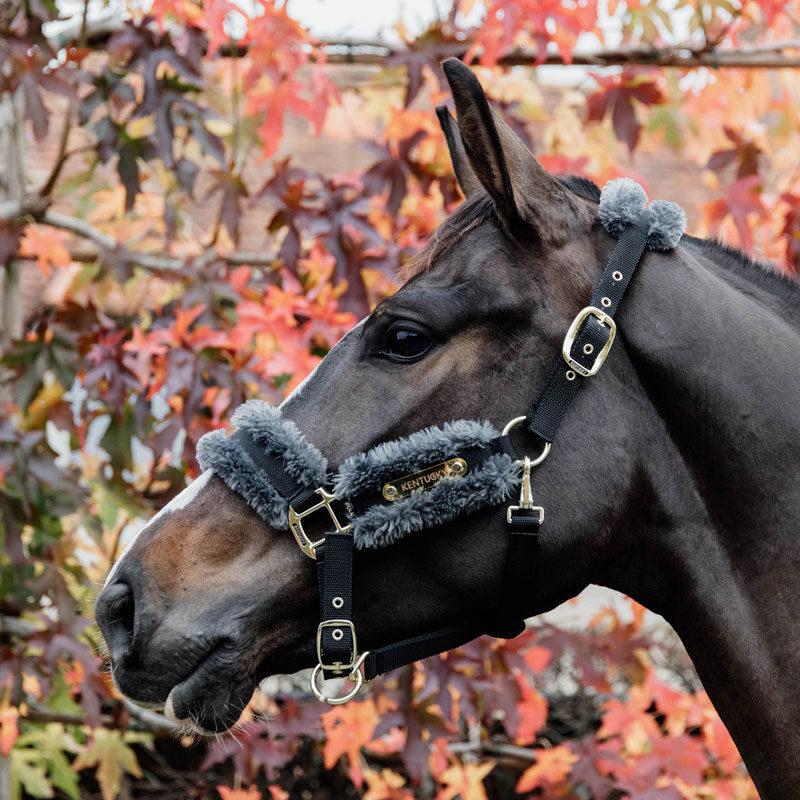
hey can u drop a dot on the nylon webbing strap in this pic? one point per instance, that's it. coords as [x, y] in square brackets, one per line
[335, 574]
[546, 415]
[273, 467]
[523, 547]
[426, 645]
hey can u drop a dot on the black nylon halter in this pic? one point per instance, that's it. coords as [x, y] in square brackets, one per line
[585, 349]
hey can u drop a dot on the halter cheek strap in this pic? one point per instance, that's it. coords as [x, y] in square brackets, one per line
[432, 476]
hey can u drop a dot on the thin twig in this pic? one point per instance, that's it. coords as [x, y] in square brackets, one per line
[61, 158]
[15, 626]
[146, 720]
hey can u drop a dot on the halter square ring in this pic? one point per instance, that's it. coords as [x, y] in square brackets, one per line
[573, 333]
[296, 523]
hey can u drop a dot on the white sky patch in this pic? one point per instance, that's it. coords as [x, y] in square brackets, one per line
[178, 502]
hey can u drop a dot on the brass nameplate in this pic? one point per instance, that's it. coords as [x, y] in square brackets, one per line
[424, 479]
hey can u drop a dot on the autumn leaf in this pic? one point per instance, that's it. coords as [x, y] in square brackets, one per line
[112, 757]
[347, 729]
[616, 95]
[46, 245]
[239, 794]
[9, 730]
[465, 780]
[386, 785]
[552, 766]
[532, 710]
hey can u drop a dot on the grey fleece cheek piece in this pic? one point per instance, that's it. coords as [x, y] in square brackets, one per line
[623, 201]
[278, 436]
[380, 525]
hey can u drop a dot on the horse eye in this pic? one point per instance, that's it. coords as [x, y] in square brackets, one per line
[405, 343]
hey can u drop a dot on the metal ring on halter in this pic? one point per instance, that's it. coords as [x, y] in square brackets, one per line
[534, 461]
[355, 675]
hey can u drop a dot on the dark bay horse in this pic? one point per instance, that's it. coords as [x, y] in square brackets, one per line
[675, 477]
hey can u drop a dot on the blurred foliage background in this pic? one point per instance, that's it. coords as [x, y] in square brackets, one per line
[197, 199]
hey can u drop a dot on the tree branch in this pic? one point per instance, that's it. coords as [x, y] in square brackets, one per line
[767, 55]
[16, 626]
[146, 720]
[36, 209]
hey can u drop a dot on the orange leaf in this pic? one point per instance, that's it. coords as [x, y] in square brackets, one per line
[386, 785]
[9, 731]
[551, 766]
[465, 780]
[537, 658]
[239, 794]
[348, 729]
[46, 245]
[532, 710]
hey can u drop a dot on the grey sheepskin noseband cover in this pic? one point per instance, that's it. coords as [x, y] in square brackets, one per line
[279, 437]
[488, 485]
[623, 201]
[383, 522]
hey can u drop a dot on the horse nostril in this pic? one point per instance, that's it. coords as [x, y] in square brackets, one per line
[114, 612]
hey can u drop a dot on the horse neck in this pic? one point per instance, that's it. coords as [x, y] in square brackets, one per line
[720, 368]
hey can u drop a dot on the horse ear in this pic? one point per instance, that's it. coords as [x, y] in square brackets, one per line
[521, 188]
[466, 177]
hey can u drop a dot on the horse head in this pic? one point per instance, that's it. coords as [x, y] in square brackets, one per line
[208, 599]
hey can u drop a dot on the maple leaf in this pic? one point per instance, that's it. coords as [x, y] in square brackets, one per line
[386, 785]
[742, 199]
[630, 720]
[46, 245]
[508, 21]
[9, 730]
[348, 729]
[239, 794]
[616, 95]
[552, 766]
[532, 710]
[109, 753]
[465, 780]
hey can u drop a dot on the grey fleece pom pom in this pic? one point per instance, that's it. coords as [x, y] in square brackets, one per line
[623, 201]
[667, 225]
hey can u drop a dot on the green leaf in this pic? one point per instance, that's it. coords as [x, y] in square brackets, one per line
[112, 757]
[28, 775]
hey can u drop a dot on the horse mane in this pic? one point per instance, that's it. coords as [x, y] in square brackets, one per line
[472, 213]
[476, 210]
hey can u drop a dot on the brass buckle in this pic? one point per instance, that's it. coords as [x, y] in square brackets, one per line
[296, 523]
[355, 675]
[572, 335]
[337, 666]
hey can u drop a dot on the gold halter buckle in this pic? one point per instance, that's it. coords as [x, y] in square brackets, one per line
[296, 523]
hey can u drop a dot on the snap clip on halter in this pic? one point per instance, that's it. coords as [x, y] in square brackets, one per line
[525, 494]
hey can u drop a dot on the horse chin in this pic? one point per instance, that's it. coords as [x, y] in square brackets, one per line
[211, 699]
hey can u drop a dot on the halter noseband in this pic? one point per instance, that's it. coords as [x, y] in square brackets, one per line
[432, 476]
